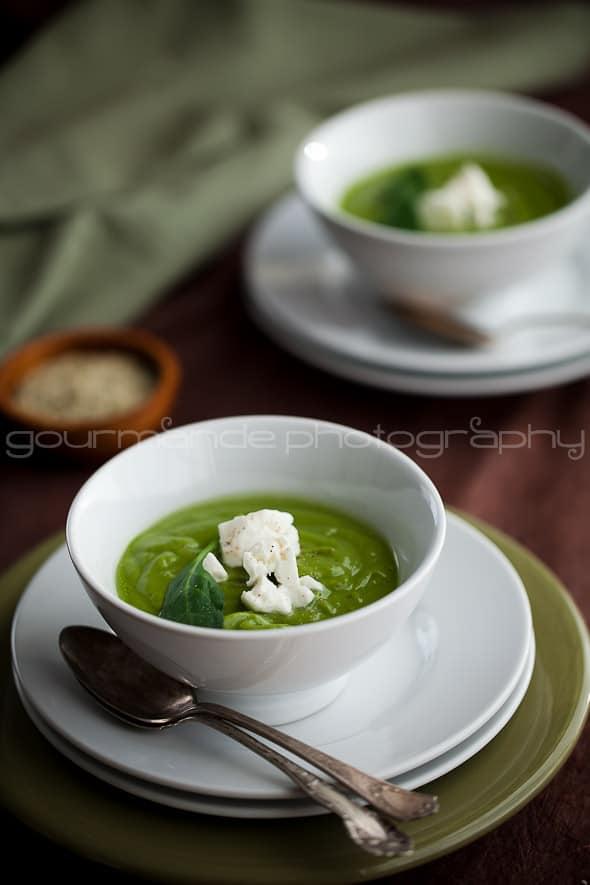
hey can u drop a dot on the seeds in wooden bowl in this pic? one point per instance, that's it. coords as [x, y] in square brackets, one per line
[85, 385]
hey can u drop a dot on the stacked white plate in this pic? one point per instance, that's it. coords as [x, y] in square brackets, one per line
[311, 300]
[421, 706]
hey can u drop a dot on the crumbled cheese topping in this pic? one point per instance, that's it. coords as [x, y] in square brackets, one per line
[269, 531]
[212, 565]
[266, 543]
[467, 200]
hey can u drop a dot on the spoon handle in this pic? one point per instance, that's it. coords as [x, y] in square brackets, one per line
[442, 323]
[448, 325]
[393, 801]
[366, 828]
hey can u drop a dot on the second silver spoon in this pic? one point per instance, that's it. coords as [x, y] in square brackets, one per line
[109, 670]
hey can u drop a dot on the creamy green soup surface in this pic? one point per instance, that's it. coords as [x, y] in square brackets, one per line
[394, 196]
[355, 565]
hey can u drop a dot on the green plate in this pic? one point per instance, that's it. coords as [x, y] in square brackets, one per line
[101, 823]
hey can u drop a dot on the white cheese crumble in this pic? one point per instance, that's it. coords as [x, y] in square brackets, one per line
[268, 530]
[265, 543]
[212, 565]
[467, 200]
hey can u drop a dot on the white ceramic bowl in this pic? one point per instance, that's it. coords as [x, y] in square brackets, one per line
[446, 268]
[278, 674]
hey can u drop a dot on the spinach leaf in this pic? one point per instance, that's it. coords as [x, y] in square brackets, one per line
[193, 596]
[398, 199]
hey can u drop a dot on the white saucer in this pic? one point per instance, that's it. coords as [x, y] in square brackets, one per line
[443, 678]
[278, 808]
[425, 384]
[309, 297]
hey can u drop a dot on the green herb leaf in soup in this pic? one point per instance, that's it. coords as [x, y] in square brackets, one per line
[193, 596]
[398, 198]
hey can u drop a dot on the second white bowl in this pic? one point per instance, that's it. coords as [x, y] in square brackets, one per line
[446, 268]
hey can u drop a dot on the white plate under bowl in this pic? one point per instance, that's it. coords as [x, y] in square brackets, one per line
[453, 667]
[301, 285]
[201, 804]
[426, 384]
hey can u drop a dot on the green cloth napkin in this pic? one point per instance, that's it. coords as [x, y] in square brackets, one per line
[137, 135]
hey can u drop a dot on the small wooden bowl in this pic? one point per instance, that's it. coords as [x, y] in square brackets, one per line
[100, 439]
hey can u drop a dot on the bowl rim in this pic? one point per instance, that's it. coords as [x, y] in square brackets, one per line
[43, 348]
[425, 566]
[448, 241]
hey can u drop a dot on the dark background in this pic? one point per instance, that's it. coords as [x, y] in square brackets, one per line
[538, 494]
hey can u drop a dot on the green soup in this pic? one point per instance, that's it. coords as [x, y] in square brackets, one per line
[390, 196]
[355, 564]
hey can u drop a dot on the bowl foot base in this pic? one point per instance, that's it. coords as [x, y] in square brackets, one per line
[278, 709]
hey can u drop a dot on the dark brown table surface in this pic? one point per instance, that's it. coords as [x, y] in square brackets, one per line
[537, 492]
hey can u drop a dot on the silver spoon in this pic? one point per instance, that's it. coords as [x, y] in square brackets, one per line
[128, 685]
[445, 324]
[140, 694]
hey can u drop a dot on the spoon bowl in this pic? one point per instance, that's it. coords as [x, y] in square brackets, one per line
[122, 681]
